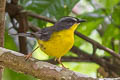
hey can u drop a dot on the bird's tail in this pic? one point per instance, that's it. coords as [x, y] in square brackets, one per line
[24, 34]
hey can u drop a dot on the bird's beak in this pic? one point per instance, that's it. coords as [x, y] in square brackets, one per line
[81, 20]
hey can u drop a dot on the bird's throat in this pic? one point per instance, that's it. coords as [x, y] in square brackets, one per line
[73, 27]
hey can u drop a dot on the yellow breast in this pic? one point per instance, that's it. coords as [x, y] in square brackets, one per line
[59, 43]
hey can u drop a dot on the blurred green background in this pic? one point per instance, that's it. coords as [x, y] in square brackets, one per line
[103, 20]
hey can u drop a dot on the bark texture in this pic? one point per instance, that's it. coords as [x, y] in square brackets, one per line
[38, 69]
[2, 27]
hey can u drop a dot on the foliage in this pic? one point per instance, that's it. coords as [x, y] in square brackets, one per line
[49, 8]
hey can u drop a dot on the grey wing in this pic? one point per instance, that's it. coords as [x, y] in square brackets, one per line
[45, 33]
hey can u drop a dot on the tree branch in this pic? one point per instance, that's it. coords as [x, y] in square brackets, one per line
[2, 21]
[2, 27]
[14, 2]
[40, 17]
[101, 61]
[98, 45]
[38, 69]
[15, 11]
[23, 28]
[70, 59]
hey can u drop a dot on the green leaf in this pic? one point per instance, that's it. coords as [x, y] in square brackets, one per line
[116, 15]
[94, 19]
[11, 75]
[111, 32]
[9, 42]
[54, 9]
[109, 3]
[87, 27]
[50, 8]
[83, 67]
[78, 41]
[92, 16]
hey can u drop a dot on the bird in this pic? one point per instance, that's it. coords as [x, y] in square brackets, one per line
[56, 40]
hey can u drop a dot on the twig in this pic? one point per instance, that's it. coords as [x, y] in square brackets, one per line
[70, 59]
[113, 45]
[33, 28]
[102, 62]
[23, 27]
[14, 2]
[40, 17]
[94, 49]
[98, 45]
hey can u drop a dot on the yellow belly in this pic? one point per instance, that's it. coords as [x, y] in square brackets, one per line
[57, 46]
[59, 43]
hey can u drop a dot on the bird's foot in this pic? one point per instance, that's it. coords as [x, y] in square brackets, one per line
[28, 56]
[59, 61]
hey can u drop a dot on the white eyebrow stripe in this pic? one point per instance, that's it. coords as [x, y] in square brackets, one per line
[68, 18]
[74, 18]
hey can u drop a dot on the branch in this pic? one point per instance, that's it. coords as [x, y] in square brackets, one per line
[15, 12]
[113, 44]
[2, 21]
[23, 28]
[14, 2]
[40, 17]
[2, 27]
[38, 69]
[98, 45]
[101, 61]
[70, 59]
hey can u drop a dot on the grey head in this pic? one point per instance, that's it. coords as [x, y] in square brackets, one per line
[66, 22]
